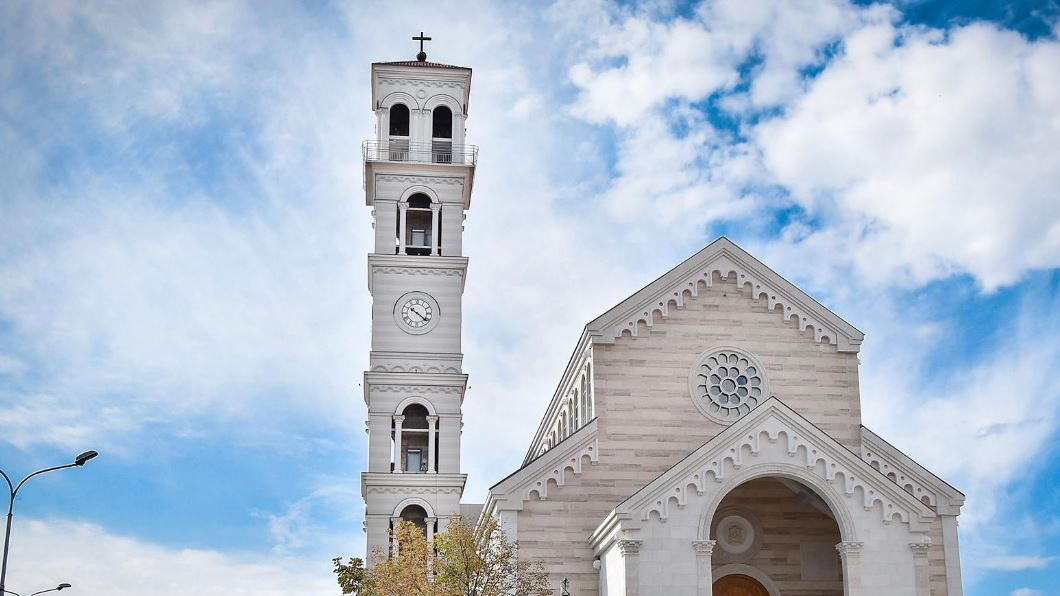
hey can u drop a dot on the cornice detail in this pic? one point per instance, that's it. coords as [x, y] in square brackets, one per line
[673, 289]
[416, 389]
[414, 490]
[819, 456]
[419, 271]
[416, 367]
[559, 471]
[404, 82]
[427, 180]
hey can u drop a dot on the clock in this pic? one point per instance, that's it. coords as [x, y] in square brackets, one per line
[416, 312]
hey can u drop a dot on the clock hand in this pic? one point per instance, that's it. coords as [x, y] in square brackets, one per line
[422, 316]
[413, 311]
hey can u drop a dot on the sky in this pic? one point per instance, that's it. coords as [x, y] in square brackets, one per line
[183, 236]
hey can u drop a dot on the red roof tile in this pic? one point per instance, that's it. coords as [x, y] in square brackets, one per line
[423, 64]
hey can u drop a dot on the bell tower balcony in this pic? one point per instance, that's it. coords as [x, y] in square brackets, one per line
[436, 152]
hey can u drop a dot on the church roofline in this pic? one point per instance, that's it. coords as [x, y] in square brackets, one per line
[640, 500]
[672, 286]
[419, 64]
[911, 466]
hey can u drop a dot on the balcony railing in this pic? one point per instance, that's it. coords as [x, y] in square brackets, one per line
[436, 152]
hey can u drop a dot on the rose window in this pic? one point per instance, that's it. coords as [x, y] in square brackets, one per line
[726, 384]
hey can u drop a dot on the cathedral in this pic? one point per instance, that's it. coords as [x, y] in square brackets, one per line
[705, 437]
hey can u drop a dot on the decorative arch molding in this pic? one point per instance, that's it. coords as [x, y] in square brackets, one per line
[442, 99]
[414, 501]
[773, 440]
[847, 528]
[415, 399]
[729, 261]
[558, 473]
[420, 189]
[753, 572]
[396, 97]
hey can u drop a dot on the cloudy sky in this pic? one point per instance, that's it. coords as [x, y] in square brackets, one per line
[183, 237]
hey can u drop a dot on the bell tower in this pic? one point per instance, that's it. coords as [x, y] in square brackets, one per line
[418, 175]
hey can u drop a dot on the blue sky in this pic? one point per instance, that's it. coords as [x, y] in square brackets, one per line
[183, 231]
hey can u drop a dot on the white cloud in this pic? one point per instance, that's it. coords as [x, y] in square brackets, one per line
[938, 152]
[1025, 592]
[47, 552]
[1018, 563]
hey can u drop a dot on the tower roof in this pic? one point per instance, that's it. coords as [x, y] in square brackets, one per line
[421, 64]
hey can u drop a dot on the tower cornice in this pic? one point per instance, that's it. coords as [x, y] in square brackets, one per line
[416, 265]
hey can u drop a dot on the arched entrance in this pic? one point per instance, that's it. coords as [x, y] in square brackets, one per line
[739, 585]
[774, 535]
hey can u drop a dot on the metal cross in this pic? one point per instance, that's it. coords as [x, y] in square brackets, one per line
[421, 39]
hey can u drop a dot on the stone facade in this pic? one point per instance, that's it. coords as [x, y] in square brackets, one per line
[707, 427]
[639, 516]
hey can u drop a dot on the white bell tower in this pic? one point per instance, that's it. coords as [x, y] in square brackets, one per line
[418, 175]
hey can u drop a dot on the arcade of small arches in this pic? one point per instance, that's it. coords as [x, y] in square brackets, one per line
[414, 436]
[576, 411]
[405, 143]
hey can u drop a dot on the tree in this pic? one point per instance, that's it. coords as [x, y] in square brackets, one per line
[465, 560]
[350, 575]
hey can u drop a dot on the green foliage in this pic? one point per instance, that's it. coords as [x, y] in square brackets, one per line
[351, 575]
[464, 560]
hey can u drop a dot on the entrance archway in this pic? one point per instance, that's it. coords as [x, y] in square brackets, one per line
[774, 535]
[739, 585]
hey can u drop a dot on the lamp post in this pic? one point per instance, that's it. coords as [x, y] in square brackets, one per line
[55, 589]
[12, 488]
[566, 587]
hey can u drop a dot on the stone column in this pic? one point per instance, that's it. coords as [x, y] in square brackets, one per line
[704, 575]
[394, 523]
[630, 550]
[432, 423]
[436, 212]
[850, 552]
[403, 205]
[920, 566]
[383, 134]
[399, 463]
[430, 529]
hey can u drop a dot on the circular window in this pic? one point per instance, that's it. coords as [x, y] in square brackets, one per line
[726, 384]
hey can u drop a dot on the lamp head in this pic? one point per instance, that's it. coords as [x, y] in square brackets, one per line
[84, 457]
[61, 586]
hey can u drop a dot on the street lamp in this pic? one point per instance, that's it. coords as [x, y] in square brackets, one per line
[566, 587]
[12, 488]
[55, 589]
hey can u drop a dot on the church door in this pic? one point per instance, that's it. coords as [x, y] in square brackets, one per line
[739, 585]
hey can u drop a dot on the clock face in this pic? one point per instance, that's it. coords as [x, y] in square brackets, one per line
[416, 312]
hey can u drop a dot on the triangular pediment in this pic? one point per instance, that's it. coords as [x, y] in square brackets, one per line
[722, 256]
[770, 439]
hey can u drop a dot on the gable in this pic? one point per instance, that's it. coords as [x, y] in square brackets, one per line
[796, 449]
[725, 258]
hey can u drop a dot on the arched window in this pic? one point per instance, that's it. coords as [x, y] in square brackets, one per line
[442, 123]
[416, 515]
[576, 410]
[399, 132]
[589, 390]
[414, 440]
[399, 120]
[419, 226]
[442, 135]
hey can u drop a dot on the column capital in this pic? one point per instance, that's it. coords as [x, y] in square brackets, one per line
[704, 548]
[395, 519]
[435, 206]
[850, 549]
[399, 419]
[403, 205]
[629, 547]
[920, 549]
[432, 419]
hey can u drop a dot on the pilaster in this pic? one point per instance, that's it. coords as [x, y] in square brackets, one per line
[704, 575]
[850, 553]
[630, 550]
[921, 569]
